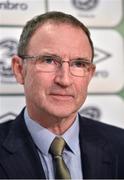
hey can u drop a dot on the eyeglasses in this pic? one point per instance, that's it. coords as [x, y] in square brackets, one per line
[52, 63]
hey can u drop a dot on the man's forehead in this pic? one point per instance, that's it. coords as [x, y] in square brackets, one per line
[55, 24]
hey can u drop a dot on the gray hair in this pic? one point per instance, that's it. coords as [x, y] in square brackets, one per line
[54, 17]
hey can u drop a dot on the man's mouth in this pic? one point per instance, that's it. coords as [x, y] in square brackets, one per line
[62, 96]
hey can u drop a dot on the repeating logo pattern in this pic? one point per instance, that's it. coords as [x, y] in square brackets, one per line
[103, 102]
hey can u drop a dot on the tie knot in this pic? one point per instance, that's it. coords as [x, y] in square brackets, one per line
[57, 146]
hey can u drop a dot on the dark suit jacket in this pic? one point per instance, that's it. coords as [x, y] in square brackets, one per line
[102, 151]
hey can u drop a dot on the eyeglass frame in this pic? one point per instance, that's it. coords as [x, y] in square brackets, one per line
[59, 60]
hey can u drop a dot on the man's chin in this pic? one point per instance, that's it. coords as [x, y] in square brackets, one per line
[61, 114]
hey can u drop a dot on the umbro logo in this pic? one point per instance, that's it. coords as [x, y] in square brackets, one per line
[100, 55]
[7, 116]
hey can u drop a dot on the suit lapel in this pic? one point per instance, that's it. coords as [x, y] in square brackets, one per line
[98, 161]
[20, 158]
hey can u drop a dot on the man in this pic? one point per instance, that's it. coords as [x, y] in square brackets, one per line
[55, 65]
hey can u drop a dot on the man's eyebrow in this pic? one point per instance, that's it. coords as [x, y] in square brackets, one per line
[82, 58]
[49, 54]
[56, 55]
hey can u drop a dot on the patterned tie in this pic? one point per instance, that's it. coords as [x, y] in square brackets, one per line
[56, 149]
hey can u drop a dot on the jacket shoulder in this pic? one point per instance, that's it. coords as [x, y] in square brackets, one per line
[94, 128]
[10, 126]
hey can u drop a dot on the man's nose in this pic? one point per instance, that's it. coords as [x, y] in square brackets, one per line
[63, 76]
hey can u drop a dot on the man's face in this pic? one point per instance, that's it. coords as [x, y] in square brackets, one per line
[56, 94]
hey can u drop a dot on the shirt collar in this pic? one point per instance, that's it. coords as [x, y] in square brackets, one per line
[71, 136]
[43, 137]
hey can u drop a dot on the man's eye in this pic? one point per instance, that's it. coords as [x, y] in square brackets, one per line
[47, 60]
[80, 64]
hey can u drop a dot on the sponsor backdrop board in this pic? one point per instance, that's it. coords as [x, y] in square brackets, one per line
[105, 19]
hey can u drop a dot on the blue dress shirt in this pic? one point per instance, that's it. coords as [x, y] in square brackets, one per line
[43, 138]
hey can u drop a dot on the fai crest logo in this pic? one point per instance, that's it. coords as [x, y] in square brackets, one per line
[85, 5]
[8, 48]
[91, 112]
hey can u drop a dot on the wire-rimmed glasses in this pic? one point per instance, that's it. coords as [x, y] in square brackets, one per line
[52, 63]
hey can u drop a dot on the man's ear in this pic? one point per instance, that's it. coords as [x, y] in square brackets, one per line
[18, 69]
